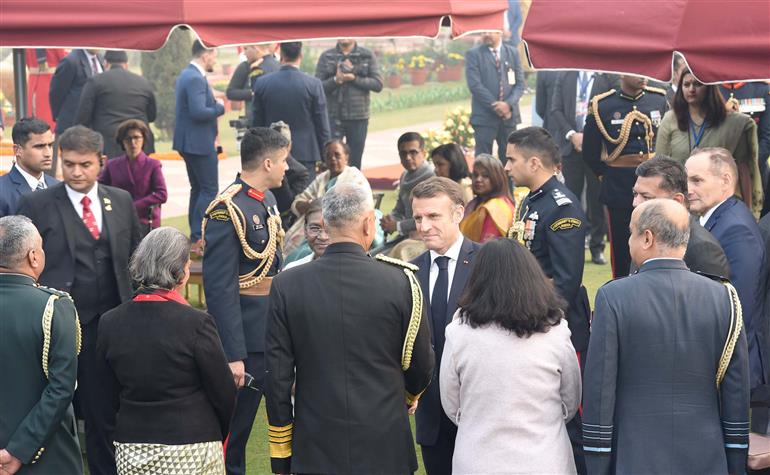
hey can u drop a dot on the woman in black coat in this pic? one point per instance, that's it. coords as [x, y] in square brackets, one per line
[164, 368]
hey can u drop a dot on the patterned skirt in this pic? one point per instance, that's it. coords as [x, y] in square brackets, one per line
[204, 458]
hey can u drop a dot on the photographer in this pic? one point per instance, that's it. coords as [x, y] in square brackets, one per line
[348, 73]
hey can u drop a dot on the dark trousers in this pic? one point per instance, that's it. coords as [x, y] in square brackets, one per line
[437, 458]
[246, 408]
[486, 134]
[310, 167]
[203, 173]
[578, 176]
[354, 132]
[619, 220]
[93, 406]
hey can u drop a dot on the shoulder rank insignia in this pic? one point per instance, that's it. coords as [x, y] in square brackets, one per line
[417, 304]
[560, 198]
[396, 262]
[51, 290]
[220, 215]
[656, 90]
[565, 223]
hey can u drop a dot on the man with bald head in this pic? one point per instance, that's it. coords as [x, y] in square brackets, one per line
[712, 176]
[656, 339]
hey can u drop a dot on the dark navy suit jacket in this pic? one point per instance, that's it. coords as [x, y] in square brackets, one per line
[484, 83]
[12, 186]
[736, 230]
[66, 87]
[299, 100]
[195, 131]
[429, 410]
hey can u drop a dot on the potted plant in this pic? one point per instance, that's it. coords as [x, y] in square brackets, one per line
[394, 73]
[450, 67]
[419, 69]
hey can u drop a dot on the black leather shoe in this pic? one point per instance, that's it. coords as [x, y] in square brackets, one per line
[598, 258]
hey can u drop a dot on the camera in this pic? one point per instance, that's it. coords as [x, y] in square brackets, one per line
[241, 125]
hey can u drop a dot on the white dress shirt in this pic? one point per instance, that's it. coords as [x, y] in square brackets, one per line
[31, 180]
[453, 253]
[91, 58]
[96, 205]
[704, 219]
[199, 68]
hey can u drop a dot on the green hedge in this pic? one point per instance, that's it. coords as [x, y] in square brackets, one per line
[415, 96]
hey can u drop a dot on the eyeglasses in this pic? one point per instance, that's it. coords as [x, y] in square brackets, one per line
[133, 138]
[411, 153]
[315, 230]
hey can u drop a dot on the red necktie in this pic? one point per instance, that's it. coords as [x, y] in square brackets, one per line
[94, 65]
[88, 217]
[499, 74]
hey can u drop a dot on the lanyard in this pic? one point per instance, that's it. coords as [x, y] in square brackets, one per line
[585, 80]
[697, 137]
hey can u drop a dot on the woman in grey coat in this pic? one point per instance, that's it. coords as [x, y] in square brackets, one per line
[509, 376]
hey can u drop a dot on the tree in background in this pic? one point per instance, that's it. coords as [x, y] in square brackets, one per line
[161, 68]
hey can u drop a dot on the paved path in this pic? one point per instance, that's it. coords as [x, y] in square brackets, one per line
[380, 160]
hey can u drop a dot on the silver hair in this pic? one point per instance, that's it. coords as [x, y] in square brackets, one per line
[283, 128]
[17, 238]
[160, 259]
[718, 159]
[667, 233]
[344, 205]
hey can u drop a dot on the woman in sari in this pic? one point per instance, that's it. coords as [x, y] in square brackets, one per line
[491, 212]
[336, 155]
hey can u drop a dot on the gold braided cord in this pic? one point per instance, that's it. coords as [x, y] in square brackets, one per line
[275, 237]
[625, 128]
[734, 331]
[414, 320]
[47, 323]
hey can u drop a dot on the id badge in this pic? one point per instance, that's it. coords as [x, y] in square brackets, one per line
[511, 77]
[581, 108]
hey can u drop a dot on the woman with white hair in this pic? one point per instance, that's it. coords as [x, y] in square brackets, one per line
[163, 367]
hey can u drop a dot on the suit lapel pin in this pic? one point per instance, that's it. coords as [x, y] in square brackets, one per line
[465, 262]
[107, 204]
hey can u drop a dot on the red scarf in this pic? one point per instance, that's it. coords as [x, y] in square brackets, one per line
[160, 295]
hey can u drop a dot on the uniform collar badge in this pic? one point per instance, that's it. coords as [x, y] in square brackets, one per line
[257, 195]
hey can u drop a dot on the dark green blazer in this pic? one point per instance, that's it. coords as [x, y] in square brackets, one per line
[37, 424]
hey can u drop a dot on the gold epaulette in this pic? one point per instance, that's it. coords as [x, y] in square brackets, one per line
[416, 316]
[224, 197]
[594, 105]
[47, 323]
[397, 262]
[655, 90]
[733, 332]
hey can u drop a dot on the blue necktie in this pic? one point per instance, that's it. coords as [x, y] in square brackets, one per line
[438, 303]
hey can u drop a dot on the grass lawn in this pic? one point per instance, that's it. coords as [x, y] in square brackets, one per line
[257, 457]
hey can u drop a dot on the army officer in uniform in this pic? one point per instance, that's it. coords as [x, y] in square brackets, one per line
[242, 232]
[353, 332]
[618, 136]
[550, 223]
[39, 345]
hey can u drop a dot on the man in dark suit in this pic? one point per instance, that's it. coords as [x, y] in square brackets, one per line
[195, 134]
[358, 350]
[33, 148]
[113, 97]
[711, 178]
[67, 85]
[663, 177]
[569, 108]
[297, 99]
[243, 253]
[38, 429]
[550, 224]
[437, 209]
[658, 346]
[544, 87]
[92, 230]
[496, 80]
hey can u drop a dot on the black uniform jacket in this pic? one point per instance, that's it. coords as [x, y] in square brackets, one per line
[338, 325]
[618, 182]
[555, 232]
